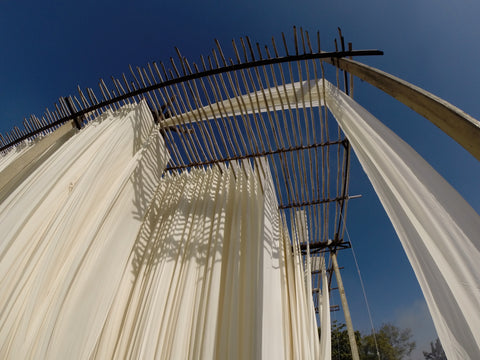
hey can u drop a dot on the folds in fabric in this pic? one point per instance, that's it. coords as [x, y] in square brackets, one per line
[17, 163]
[438, 229]
[215, 275]
[323, 309]
[107, 256]
[67, 230]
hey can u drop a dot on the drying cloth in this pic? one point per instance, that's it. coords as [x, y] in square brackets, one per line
[103, 255]
[67, 232]
[439, 231]
[324, 313]
[214, 275]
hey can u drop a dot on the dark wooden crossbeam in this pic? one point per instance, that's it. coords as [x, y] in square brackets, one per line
[187, 77]
[319, 201]
[253, 155]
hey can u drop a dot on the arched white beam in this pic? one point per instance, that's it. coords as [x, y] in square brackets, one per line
[299, 94]
[460, 126]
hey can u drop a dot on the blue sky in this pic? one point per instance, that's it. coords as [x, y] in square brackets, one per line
[48, 48]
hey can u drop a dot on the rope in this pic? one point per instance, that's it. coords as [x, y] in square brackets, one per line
[364, 294]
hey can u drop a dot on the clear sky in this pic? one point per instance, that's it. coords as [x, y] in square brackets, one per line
[47, 48]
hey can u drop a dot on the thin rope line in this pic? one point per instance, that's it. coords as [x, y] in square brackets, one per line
[364, 293]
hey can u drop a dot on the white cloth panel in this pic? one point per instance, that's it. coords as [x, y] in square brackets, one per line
[21, 161]
[10, 156]
[324, 313]
[438, 229]
[301, 233]
[68, 229]
[211, 279]
[102, 257]
[298, 94]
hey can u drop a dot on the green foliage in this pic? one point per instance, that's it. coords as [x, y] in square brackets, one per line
[340, 343]
[393, 343]
[437, 352]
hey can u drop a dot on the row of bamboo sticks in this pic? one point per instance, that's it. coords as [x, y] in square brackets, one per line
[307, 152]
[297, 139]
[301, 156]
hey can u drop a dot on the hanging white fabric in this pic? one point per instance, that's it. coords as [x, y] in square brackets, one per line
[67, 232]
[215, 275]
[23, 159]
[102, 257]
[324, 312]
[438, 229]
[301, 229]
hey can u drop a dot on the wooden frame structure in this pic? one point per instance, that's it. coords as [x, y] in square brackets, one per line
[260, 103]
[299, 141]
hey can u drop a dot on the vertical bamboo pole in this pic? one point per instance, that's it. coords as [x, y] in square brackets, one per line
[348, 318]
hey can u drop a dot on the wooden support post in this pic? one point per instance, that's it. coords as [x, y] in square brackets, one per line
[346, 311]
[342, 43]
[460, 126]
[350, 48]
[77, 120]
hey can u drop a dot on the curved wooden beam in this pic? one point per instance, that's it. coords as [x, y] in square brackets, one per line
[174, 79]
[460, 126]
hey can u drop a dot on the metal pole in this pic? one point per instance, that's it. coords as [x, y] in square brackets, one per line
[346, 311]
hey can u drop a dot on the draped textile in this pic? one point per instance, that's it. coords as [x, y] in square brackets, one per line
[324, 312]
[302, 234]
[103, 255]
[438, 229]
[215, 277]
[17, 163]
[317, 262]
[305, 311]
[68, 229]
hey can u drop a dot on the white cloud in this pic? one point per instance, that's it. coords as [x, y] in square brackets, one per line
[417, 317]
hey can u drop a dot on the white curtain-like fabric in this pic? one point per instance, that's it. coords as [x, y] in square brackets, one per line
[305, 311]
[17, 163]
[439, 231]
[215, 275]
[324, 312]
[103, 255]
[318, 264]
[68, 230]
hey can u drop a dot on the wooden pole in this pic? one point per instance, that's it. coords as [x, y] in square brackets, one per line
[460, 126]
[346, 311]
